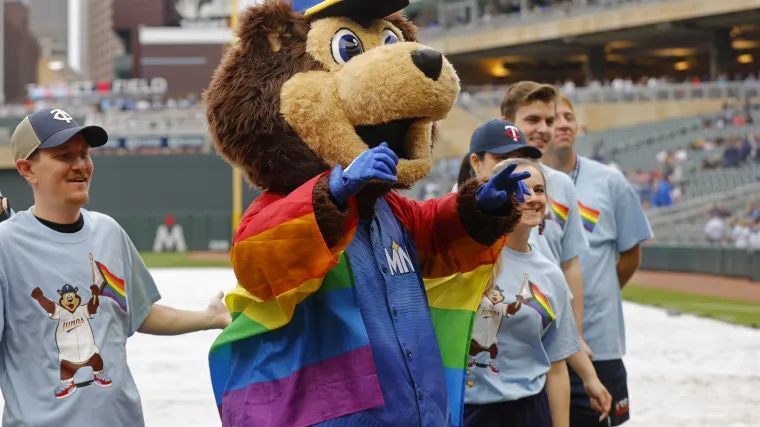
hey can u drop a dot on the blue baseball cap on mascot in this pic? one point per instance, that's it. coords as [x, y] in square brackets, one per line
[365, 8]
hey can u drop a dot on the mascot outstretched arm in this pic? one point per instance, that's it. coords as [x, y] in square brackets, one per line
[347, 310]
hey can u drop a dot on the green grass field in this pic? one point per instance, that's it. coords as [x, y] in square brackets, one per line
[174, 260]
[732, 311]
[727, 310]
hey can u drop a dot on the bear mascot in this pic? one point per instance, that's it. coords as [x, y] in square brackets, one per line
[345, 313]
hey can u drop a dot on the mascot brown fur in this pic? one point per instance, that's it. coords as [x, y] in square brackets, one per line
[286, 105]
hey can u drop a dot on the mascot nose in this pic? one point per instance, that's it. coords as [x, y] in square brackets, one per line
[429, 61]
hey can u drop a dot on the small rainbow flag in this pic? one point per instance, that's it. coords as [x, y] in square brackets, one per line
[589, 217]
[560, 213]
[540, 303]
[112, 286]
[297, 333]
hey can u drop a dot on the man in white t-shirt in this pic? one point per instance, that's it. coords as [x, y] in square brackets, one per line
[78, 268]
[616, 226]
[532, 108]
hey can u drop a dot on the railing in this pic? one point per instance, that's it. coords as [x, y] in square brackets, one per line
[693, 208]
[491, 96]
[526, 16]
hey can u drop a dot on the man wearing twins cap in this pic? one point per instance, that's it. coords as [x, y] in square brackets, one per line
[62, 262]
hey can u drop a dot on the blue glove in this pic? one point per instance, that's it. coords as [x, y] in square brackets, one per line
[499, 189]
[378, 163]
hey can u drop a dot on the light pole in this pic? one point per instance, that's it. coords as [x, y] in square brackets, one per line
[237, 179]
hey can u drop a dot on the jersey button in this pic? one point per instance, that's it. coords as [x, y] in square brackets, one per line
[385, 270]
[419, 395]
[409, 353]
[395, 312]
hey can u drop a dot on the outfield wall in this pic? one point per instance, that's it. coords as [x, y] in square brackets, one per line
[146, 192]
[184, 202]
[730, 262]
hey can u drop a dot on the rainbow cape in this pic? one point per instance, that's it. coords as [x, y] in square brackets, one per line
[297, 352]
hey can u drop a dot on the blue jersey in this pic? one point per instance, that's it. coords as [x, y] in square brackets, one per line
[394, 308]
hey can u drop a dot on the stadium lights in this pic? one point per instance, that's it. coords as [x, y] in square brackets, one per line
[745, 59]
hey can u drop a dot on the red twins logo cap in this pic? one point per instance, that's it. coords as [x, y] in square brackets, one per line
[501, 137]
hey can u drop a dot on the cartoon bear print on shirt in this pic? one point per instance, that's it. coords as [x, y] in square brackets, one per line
[491, 311]
[74, 337]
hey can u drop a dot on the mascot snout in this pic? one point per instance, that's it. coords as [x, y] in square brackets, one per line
[399, 81]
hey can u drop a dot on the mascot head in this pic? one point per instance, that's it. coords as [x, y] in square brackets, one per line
[312, 83]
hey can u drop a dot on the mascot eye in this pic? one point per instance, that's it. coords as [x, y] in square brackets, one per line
[389, 37]
[346, 45]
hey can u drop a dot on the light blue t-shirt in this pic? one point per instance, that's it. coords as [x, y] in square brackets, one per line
[614, 222]
[563, 238]
[53, 330]
[524, 344]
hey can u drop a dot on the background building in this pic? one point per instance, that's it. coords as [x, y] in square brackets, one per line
[20, 51]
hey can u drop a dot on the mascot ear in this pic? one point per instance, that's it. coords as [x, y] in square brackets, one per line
[243, 97]
[407, 28]
[270, 26]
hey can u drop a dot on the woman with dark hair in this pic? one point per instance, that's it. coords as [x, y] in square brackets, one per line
[486, 151]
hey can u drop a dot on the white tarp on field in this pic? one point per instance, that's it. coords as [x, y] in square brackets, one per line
[683, 371]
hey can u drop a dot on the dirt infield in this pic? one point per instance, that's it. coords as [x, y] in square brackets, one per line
[701, 284]
[209, 256]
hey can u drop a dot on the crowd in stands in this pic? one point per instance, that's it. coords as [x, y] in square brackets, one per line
[740, 230]
[663, 185]
[628, 84]
[188, 101]
[490, 11]
[738, 149]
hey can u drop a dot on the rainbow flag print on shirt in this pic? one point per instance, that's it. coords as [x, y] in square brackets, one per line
[560, 212]
[540, 303]
[297, 351]
[112, 286]
[589, 217]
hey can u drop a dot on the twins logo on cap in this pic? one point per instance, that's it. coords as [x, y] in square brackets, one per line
[512, 132]
[61, 115]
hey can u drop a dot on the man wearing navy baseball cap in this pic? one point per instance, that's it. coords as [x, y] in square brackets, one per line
[491, 143]
[51, 128]
[73, 289]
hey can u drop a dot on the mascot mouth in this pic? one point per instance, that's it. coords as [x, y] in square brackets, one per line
[394, 133]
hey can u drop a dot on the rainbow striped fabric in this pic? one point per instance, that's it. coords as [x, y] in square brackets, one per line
[540, 303]
[589, 217]
[560, 212]
[112, 287]
[453, 303]
[297, 352]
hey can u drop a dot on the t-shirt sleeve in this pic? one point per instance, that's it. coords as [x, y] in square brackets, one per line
[574, 241]
[143, 292]
[632, 225]
[3, 301]
[561, 340]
